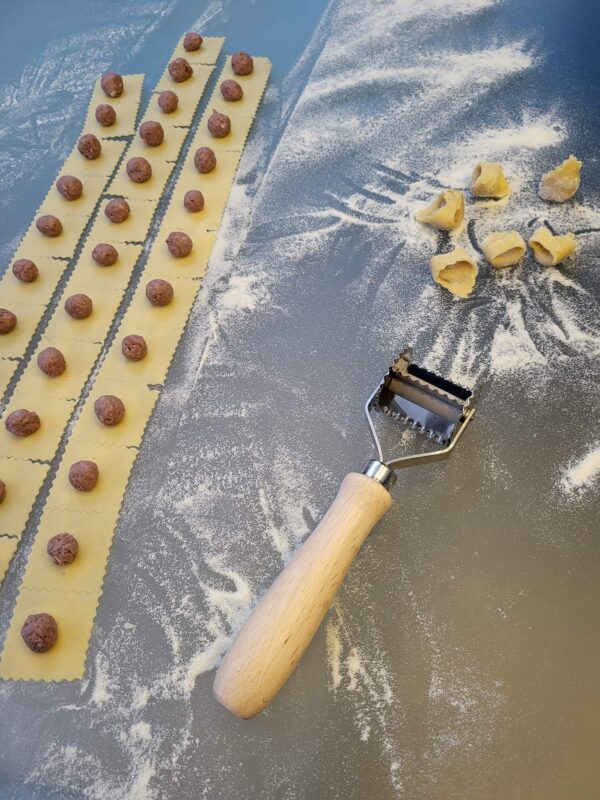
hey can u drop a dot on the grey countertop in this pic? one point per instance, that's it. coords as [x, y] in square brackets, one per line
[461, 657]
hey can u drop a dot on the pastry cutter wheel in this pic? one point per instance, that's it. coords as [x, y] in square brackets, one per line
[274, 638]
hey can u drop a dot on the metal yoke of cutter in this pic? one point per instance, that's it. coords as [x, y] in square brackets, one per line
[275, 636]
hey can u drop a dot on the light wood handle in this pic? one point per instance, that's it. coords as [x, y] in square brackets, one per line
[274, 638]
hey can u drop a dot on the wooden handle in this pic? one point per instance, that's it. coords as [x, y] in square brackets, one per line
[274, 638]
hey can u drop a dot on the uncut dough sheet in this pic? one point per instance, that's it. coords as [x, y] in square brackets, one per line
[54, 413]
[167, 151]
[208, 52]
[126, 107]
[152, 189]
[23, 481]
[133, 229]
[39, 292]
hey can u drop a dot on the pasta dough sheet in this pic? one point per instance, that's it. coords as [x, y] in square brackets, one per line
[235, 141]
[103, 166]
[189, 93]
[39, 292]
[80, 357]
[114, 465]
[54, 203]
[207, 54]
[167, 151]
[54, 413]
[152, 189]
[23, 481]
[35, 245]
[116, 277]
[143, 315]
[8, 367]
[134, 229]
[14, 344]
[8, 545]
[161, 264]
[139, 404]
[126, 107]
[74, 613]
[86, 573]
[93, 329]
[253, 86]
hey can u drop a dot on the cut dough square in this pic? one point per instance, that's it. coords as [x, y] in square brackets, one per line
[162, 342]
[134, 229]
[114, 465]
[161, 264]
[80, 357]
[189, 93]
[115, 277]
[139, 403]
[8, 367]
[38, 292]
[63, 246]
[104, 165]
[208, 53]
[54, 414]
[167, 151]
[92, 329]
[74, 614]
[94, 533]
[54, 203]
[175, 315]
[126, 107]
[253, 86]
[23, 481]
[234, 141]
[8, 545]
[14, 344]
[152, 189]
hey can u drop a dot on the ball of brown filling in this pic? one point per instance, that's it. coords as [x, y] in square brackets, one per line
[22, 422]
[112, 84]
[231, 91]
[242, 63]
[205, 159]
[159, 292]
[193, 200]
[134, 347]
[69, 187]
[168, 102]
[83, 475]
[8, 321]
[179, 244]
[105, 115]
[139, 170]
[89, 146]
[62, 549]
[180, 70]
[49, 225]
[192, 41]
[25, 270]
[219, 125]
[152, 133]
[2, 491]
[51, 361]
[117, 210]
[105, 255]
[40, 632]
[78, 306]
[109, 409]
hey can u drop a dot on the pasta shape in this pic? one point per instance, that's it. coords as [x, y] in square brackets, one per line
[488, 180]
[503, 249]
[550, 250]
[446, 212]
[562, 182]
[455, 271]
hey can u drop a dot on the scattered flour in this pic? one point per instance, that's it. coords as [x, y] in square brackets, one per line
[582, 474]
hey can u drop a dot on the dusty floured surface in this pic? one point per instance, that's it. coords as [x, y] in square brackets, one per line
[460, 651]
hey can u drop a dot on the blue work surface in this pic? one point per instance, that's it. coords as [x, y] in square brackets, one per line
[460, 661]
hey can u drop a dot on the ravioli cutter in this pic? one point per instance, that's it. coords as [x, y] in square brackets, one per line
[275, 636]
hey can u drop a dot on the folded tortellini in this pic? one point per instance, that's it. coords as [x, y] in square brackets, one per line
[488, 180]
[562, 182]
[549, 249]
[455, 271]
[446, 212]
[503, 249]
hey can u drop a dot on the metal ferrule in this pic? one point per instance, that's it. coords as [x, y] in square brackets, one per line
[379, 472]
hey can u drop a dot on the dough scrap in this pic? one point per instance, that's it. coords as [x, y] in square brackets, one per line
[455, 271]
[446, 212]
[503, 249]
[550, 250]
[488, 180]
[562, 182]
